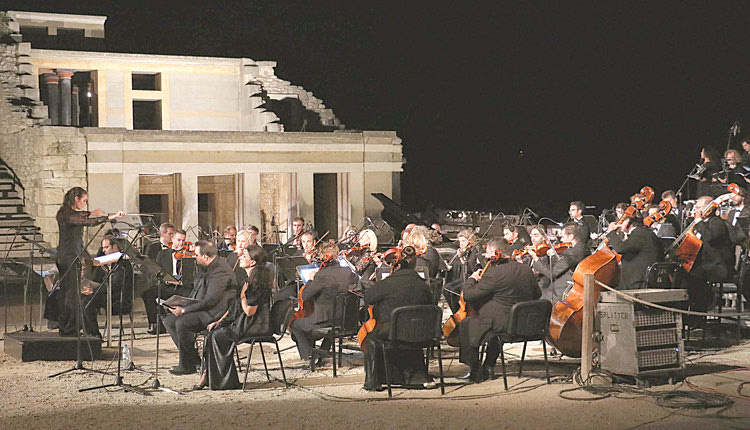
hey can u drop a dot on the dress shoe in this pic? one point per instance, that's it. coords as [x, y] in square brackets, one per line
[177, 370]
[202, 384]
[162, 330]
[474, 376]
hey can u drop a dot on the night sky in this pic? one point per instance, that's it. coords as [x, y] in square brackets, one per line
[598, 100]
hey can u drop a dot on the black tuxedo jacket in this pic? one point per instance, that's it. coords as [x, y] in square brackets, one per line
[502, 285]
[330, 280]
[641, 249]
[715, 259]
[562, 268]
[212, 288]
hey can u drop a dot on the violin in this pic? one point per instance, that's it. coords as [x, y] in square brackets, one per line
[187, 251]
[542, 249]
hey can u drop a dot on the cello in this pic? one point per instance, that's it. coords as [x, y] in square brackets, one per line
[566, 321]
[371, 323]
[687, 246]
[660, 215]
[465, 309]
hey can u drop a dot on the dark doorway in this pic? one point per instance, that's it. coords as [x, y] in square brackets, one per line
[156, 205]
[326, 204]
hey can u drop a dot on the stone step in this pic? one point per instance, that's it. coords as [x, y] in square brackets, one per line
[16, 217]
[11, 209]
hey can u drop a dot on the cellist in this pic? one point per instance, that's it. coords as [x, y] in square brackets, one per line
[715, 259]
[492, 292]
[404, 287]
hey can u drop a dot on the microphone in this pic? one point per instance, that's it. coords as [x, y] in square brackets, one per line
[531, 212]
[273, 221]
[735, 128]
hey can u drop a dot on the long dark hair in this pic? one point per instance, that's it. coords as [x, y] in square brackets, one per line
[260, 273]
[68, 201]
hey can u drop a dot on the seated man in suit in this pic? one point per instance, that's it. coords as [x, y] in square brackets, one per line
[640, 249]
[321, 292]
[517, 237]
[122, 287]
[166, 233]
[212, 289]
[504, 283]
[165, 258]
[560, 268]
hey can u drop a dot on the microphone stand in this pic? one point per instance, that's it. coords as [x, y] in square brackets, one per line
[691, 175]
[118, 382]
[79, 312]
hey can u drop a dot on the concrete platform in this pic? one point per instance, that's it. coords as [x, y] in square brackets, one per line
[50, 346]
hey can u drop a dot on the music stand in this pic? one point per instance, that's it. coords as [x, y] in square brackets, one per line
[152, 269]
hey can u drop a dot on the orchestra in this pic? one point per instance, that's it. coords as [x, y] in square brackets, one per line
[480, 280]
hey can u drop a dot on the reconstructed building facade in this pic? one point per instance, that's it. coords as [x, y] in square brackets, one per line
[199, 141]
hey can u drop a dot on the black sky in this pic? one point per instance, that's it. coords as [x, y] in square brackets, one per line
[601, 99]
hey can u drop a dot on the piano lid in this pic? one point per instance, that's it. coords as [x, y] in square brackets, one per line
[395, 215]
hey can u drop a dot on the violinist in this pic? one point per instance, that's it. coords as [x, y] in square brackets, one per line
[516, 237]
[465, 262]
[307, 241]
[715, 260]
[640, 249]
[120, 275]
[230, 239]
[560, 267]
[253, 233]
[321, 292]
[426, 254]
[233, 258]
[166, 231]
[402, 288]
[169, 263]
[363, 256]
[538, 236]
[298, 227]
[492, 293]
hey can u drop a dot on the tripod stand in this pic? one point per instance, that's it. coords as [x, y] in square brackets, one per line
[79, 312]
[118, 265]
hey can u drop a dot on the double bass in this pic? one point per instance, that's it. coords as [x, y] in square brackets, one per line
[566, 321]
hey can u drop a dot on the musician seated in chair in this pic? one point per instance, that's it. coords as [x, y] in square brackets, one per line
[560, 267]
[491, 294]
[212, 285]
[465, 262]
[640, 249]
[516, 237]
[165, 258]
[95, 298]
[402, 288]
[321, 292]
[715, 259]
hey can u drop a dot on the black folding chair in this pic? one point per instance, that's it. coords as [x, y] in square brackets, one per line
[281, 313]
[414, 327]
[528, 321]
[345, 324]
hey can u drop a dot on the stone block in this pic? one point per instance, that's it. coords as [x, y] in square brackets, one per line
[77, 162]
[70, 174]
[24, 69]
[55, 182]
[31, 93]
[14, 26]
[39, 112]
[23, 49]
[26, 81]
[55, 163]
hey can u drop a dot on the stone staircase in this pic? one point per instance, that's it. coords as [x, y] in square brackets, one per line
[17, 229]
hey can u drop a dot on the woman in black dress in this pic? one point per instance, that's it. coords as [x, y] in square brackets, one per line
[402, 288]
[71, 218]
[248, 315]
